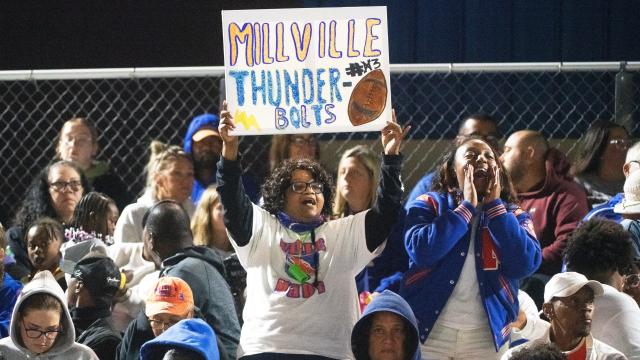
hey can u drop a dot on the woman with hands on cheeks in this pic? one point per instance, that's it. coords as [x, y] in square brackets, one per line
[301, 295]
[469, 244]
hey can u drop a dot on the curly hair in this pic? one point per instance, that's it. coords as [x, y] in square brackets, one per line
[599, 246]
[592, 145]
[446, 181]
[277, 183]
[37, 201]
[541, 351]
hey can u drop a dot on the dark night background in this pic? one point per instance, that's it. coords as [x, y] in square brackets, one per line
[126, 33]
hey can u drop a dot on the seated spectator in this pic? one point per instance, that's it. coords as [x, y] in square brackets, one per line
[54, 193]
[539, 352]
[192, 338]
[208, 226]
[295, 258]
[44, 239]
[168, 243]
[41, 326]
[540, 176]
[469, 245]
[169, 177]
[387, 330]
[631, 285]
[601, 250]
[9, 291]
[95, 280]
[632, 163]
[91, 230]
[481, 126]
[528, 325]
[358, 176]
[601, 156]
[569, 307]
[293, 146]
[629, 209]
[202, 141]
[209, 230]
[78, 142]
[170, 301]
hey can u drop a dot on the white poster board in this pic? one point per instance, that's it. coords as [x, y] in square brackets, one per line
[314, 70]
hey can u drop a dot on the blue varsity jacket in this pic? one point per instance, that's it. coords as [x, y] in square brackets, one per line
[437, 235]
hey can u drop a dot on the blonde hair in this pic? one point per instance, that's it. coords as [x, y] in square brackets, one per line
[201, 223]
[369, 159]
[162, 156]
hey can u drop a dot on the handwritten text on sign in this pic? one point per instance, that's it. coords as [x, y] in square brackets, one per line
[307, 70]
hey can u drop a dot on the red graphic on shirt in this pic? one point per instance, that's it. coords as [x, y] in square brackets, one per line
[300, 265]
[489, 254]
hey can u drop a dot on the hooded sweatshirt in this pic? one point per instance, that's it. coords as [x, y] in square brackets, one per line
[390, 302]
[556, 207]
[211, 121]
[64, 347]
[189, 334]
[203, 270]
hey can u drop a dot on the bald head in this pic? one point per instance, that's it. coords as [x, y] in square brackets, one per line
[167, 224]
[524, 158]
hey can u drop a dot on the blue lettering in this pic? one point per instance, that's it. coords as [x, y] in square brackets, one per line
[303, 117]
[239, 76]
[307, 75]
[273, 102]
[334, 77]
[255, 88]
[320, 83]
[316, 111]
[292, 87]
[294, 115]
[281, 118]
[332, 116]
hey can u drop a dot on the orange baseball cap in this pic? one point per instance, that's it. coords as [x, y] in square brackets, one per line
[170, 295]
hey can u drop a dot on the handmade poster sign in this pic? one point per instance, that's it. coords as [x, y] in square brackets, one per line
[310, 70]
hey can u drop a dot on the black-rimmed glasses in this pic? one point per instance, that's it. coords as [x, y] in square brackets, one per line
[300, 187]
[59, 186]
[36, 334]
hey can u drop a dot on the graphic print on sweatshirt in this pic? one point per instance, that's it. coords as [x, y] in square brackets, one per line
[301, 261]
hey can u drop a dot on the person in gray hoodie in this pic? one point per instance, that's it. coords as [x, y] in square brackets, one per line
[387, 330]
[41, 326]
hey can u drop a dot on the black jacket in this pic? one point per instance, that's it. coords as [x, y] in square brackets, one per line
[137, 333]
[203, 270]
[100, 334]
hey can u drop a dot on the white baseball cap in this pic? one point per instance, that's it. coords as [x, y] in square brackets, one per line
[568, 283]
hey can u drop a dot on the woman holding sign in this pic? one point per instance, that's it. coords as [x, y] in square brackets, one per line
[301, 294]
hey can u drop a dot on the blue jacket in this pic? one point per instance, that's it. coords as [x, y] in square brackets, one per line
[212, 121]
[606, 210]
[9, 291]
[390, 302]
[423, 186]
[189, 334]
[437, 240]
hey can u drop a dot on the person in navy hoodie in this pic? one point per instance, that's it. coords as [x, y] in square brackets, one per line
[387, 330]
[464, 293]
[191, 336]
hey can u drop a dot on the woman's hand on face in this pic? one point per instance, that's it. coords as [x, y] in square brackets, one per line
[468, 188]
[494, 189]
[229, 142]
[392, 135]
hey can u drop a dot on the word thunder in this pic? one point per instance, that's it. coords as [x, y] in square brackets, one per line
[259, 45]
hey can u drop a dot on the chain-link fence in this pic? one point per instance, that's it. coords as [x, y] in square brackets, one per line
[131, 107]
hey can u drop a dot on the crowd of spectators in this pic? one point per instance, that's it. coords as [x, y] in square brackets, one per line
[498, 252]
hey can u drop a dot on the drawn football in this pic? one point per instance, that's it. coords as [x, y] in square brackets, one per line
[368, 98]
